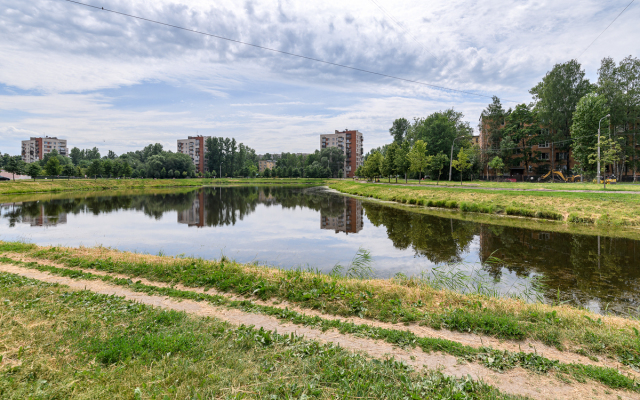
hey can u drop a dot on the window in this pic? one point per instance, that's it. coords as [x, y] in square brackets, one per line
[544, 156]
[561, 156]
[543, 145]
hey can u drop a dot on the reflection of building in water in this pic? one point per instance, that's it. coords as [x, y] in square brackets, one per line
[196, 215]
[263, 198]
[42, 219]
[350, 221]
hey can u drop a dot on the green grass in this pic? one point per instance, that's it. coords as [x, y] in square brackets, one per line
[627, 186]
[397, 301]
[124, 347]
[61, 185]
[81, 345]
[609, 209]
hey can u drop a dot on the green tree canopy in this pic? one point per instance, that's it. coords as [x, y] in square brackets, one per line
[418, 158]
[584, 131]
[399, 130]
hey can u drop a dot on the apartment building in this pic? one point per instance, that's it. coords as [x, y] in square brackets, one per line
[196, 215]
[195, 147]
[264, 164]
[35, 148]
[351, 144]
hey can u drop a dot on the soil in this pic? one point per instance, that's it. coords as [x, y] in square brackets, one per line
[517, 381]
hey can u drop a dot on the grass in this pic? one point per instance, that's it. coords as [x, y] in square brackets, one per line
[124, 347]
[610, 209]
[60, 185]
[410, 301]
[81, 345]
[627, 186]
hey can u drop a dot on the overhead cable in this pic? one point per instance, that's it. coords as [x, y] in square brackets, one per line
[286, 52]
[614, 20]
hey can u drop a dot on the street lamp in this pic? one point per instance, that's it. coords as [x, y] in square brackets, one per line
[599, 122]
[451, 159]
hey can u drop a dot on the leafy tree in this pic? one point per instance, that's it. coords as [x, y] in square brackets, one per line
[34, 170]
[610, 152]
[389, 163]
[439, 130]
[53, 167]
[402, 159]
[68, 170]
[462, 163]
[373, 165]
[521, 132]
[418, 158]
[584, 131]
[399, 130]
[93, 154]
[492, 120]
[76, 155]
[14, 165]
[107, 167]
[556, 98]
[497, 165]
[436, 164]
[95, 168]
[111, 155]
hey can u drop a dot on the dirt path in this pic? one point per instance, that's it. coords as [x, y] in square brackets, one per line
[517, 381]
[467, 339]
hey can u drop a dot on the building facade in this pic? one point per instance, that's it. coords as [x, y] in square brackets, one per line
[350, 221]
[264, 164]
[35, 148]
[351, 143]
[195, 147]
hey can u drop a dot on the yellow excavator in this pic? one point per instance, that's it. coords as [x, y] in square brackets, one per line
[607, 181]
[558, 175]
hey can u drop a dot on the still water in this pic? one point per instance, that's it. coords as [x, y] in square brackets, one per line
[292, 227]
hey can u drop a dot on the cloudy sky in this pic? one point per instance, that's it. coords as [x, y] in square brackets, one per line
[101, 79]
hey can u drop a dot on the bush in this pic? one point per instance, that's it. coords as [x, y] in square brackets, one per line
[451, 204]
[576, 219]
[412, 201]
[549, 215]
[521, 212]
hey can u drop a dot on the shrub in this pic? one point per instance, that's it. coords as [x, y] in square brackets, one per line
[412, 201]
[576, 219]
[549, 215]
[451, 204]
[522, 212]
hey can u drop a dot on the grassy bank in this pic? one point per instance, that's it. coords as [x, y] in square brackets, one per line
[62, 344]
[622, 187]
[613, 209]
[491, 358]
[408, 301]
[60, 185]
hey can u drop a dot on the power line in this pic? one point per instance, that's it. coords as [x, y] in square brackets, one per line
[285, 52]
[614, 20]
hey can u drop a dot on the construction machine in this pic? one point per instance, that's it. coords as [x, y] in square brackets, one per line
[557, 175]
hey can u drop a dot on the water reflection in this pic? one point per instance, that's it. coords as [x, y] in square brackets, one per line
[279, 225]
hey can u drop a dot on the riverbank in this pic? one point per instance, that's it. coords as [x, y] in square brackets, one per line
[496, 333]
[60, 185]
[610, 209]
[521, 186]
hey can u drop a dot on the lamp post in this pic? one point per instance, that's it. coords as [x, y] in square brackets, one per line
[451, 159]
[599, 122]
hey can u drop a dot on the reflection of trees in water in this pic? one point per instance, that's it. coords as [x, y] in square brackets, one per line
[568, 262]
[440, 240]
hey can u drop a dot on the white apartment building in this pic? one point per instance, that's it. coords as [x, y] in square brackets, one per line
[195, 147]
[351, 144]
[35, 148]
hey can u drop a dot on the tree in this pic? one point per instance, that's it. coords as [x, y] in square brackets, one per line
[520, 133]
[584, 131]
[492, 120]
[462, 163]
[497, 165]
[373, 165]
[610, 153]
[95, 168]
[107, 167]
[111, 155]
[556, 98]
[439, 130]
[389, 163]
[436, 164]
[418, 158]
[402, 160]
[14, 165]
[127, 170]
[68, 170]
[53, 167]
[266, 173]
[76, 155]
[34, 170]
[399, 130]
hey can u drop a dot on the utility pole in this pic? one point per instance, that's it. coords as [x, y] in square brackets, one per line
[599, 122]
[451, 159]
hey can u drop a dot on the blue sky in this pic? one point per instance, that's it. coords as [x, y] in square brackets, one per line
[100, 79]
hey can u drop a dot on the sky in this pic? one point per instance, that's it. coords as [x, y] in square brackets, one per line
[101, 79]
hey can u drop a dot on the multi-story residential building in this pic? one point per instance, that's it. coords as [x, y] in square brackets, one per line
[351, 144]
[195, 147]
[264, 164]
[35, 148]
[350, 221]
[196, 215]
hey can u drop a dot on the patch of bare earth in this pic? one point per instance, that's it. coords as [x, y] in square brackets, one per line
[517, 381]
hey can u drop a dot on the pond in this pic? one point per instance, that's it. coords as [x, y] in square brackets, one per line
[305, 227]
